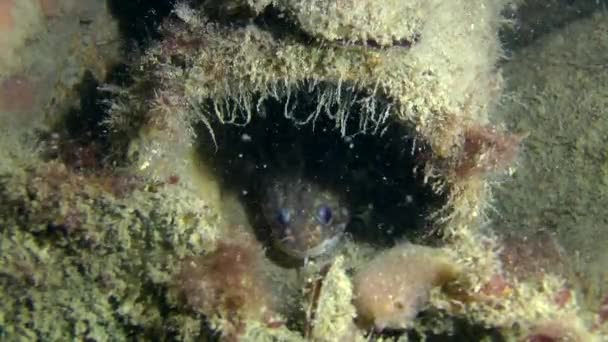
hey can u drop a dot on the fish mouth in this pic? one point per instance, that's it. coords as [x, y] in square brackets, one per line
[308, 246]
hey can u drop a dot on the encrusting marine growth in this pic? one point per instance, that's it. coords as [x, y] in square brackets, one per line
[394, 287]
[175, 238]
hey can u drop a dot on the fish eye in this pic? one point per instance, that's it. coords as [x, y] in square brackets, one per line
[284, 216]
[324, 214]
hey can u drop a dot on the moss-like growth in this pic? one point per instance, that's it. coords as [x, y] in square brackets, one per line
[108, 244]
[441, 83]
[227, 286]
[84, 263]
[558, 89]
[333, 309]
[199, 61]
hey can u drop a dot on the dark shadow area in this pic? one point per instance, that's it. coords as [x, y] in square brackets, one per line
[82, 139]
[88, 117]
[139, 20]
[374, 175]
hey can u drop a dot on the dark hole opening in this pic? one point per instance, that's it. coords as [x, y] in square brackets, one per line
[378, 176]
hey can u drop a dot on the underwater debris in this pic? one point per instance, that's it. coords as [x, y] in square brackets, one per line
[209, 71]
[392, 288]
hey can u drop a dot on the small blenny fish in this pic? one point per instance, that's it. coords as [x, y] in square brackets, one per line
[305, 218]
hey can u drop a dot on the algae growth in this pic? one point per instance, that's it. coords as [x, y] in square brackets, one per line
[139, 216]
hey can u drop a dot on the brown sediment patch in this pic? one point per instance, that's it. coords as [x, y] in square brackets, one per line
[16, 94]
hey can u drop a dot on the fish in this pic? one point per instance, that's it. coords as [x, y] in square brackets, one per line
[306, 219]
